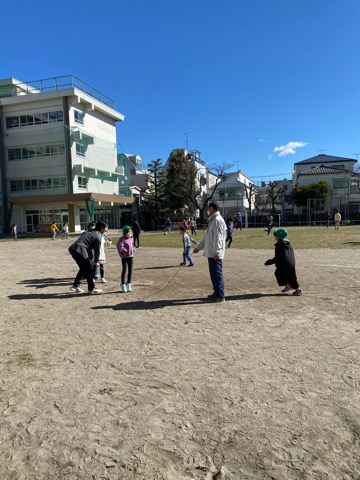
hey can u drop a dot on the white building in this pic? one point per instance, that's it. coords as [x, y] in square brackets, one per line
[339, 173]
[234, 194]
[58, 155]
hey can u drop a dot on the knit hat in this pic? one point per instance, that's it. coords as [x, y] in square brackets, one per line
[281, 233]
[126, 228]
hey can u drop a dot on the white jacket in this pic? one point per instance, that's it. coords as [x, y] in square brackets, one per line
[214, 241]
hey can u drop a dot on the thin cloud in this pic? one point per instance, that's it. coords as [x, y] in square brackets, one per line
[261, 140]
[289, 148]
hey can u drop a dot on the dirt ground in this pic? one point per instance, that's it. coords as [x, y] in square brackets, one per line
[157, 384]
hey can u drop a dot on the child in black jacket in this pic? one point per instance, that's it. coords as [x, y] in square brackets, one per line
[284, 260]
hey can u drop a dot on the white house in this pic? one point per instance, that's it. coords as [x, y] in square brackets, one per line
[339, 173]
[234, 194]
[58, 158]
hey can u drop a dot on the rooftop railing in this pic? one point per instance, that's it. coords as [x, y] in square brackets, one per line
[61, 83]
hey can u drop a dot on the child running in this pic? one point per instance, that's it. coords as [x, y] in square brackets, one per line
[187, 247]
[125, 248]
[230, 231]
[284, 260]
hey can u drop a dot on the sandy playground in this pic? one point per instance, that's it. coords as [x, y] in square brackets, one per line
[157, 384]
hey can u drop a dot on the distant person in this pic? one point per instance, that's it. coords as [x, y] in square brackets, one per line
[337, 219]
[214, 249]
[269, 224]
[230, 232]
[65, 231]
[238, 220]
[193, 227]
[14, 231]
[53, 230]
[85, 251]
[167, 227]
[284, 260]
[327, 219]
[187, 247]
[126, 249]
[136, 229]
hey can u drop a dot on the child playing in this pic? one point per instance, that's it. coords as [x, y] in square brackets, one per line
[187, 247]
[102, 258]
[230, 231]
[284, 260]
[65, 231]
[125, 247]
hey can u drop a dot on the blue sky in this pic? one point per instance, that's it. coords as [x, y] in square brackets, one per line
[259, 84]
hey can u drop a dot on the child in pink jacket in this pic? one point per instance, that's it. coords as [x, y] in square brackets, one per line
[125, 247]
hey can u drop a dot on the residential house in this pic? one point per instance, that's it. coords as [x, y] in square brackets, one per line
[275, 198]
[58, 155]
[236, 193]
[339, 173]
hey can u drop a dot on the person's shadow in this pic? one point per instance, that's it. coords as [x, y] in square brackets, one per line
[156, 304]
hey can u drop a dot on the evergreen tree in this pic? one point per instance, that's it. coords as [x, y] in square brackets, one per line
[155, 195]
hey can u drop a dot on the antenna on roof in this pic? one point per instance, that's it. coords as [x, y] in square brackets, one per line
[357, 156]
[186, 139]
[321, 151]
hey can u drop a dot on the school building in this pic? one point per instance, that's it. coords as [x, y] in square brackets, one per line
[58, 156]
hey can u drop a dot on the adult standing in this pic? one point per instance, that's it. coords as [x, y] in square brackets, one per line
[337, 219]
[136, 229]
[238, 220]
[213, 245]
[327, 219]
[85, 251]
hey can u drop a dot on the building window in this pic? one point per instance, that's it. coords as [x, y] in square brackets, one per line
[41, 118]
[38, 151]
[60, 182]
[58, 149]
[80, 150]
[12, 122]
[28, 152]
[34, 119]
[45, 184]
[82, 182]
[14, 154]
[43, 151]
[339, 184]
[16, 186]
[57, 116]
[79, 117]
[26, 120]
[30, 184]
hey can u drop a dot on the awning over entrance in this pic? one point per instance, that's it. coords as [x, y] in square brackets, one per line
[103, 199]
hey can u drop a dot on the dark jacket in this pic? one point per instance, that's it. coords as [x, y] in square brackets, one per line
[136, 229]
[284, 255]
[87, 245]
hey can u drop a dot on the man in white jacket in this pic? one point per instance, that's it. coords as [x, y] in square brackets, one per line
[214, 249]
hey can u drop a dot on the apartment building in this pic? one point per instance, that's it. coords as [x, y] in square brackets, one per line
[58, 155]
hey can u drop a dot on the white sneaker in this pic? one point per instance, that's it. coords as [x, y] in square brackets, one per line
[123, 287]
[76, 289]
[96, 291]
[103, 280]
[128, 287]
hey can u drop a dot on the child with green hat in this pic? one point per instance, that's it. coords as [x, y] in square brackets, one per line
[284, 260]
[125, 248]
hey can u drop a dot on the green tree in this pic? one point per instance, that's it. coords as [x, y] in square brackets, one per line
[182, 185]
[179, 179]
[302, 193]
[155, 196]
